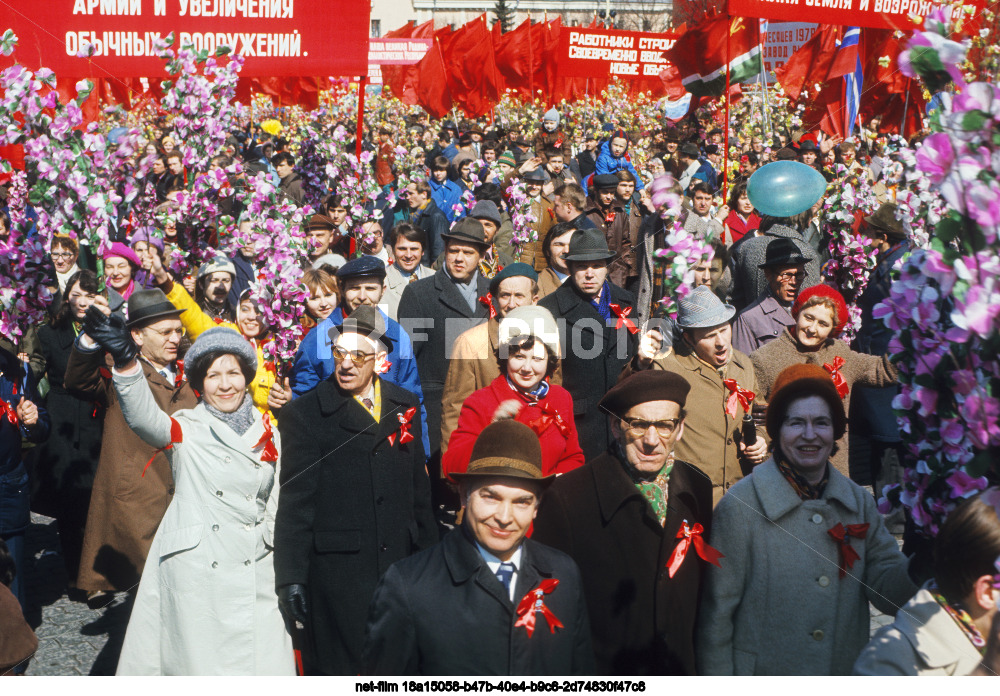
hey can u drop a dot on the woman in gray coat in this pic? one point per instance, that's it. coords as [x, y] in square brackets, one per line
[804, 550]
[206, 604]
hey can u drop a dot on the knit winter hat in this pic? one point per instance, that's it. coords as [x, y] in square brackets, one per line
[226, 340]
[551, 115]
[798, 382]
[507, 158]
[826, 291]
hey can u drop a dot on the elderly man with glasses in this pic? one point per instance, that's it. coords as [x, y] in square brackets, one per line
[355, 497]
[631, 518]
[763, 321]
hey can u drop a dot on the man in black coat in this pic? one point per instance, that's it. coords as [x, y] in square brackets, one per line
[355, 497]
[437, 310]
[621, 516]
[597, 328]
[486, 600]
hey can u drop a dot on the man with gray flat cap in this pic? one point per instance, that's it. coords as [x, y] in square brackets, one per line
[597, 330]
[623, 517]
[723, 389]
[486, 600]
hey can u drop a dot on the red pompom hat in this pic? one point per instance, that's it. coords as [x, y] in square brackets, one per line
[829, 293]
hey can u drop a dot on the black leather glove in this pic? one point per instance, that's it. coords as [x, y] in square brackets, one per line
[292, 600]
[111, 334]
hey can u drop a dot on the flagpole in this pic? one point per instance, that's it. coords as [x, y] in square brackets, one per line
[725, 156]
[906, 103]
[531, 65]
[361, 116]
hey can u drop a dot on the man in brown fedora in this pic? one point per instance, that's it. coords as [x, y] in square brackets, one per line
[597, 329]
[128, 502]
[623, 518]
[486, 600]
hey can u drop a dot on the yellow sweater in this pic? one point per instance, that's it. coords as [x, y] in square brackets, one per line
[196, 322]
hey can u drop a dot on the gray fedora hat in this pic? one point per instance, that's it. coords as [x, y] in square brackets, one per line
[703, 310]
[588, 245]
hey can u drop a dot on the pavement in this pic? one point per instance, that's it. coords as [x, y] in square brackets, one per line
[72, 639]
[76, 640]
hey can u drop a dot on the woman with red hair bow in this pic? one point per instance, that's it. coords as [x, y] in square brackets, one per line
[820, 315]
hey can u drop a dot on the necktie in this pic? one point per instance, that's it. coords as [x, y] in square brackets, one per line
[413, 277]
[504, 573]
[369, 404]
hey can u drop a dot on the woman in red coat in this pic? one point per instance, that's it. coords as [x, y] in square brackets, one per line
[528, 355]
[742, 218]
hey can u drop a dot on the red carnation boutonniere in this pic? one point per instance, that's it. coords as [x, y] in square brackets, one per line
[534, 603]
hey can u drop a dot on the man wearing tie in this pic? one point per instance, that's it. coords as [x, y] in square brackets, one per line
[486, 600]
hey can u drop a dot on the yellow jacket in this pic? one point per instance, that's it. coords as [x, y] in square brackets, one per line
[196, 322]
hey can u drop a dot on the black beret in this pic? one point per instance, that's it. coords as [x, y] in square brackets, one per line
[643, 386]
[605, 181]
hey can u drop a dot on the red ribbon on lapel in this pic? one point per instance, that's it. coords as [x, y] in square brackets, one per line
[487, 301]
[176, 435]
[533, 603]
[623, 319]
[9, 412]
[737, 395]
[838, 379]
[610, 217]
[270, 453]
[404, 426]
[691, 535]
[179, 380]
[549, 416]
[842, 535]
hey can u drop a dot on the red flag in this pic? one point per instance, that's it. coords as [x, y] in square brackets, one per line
[393, 75]
[432, 90]
[513, 58]
[702, 53]
[473, 79]
[813, 63]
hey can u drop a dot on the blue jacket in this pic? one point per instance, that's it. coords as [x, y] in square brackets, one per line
[314, 362]
[607, 164]
[445, 196]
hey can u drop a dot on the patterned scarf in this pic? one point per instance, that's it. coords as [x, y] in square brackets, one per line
[655, 491]
[804, 489]
[961, 617]
[532, 397]
[602, 306]
[239, 420]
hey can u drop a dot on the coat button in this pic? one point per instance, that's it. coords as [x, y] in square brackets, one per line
[246, 562]
[817, 634]
[215, 527]
[817, 518]
[378, 500]
[219, 493]
[170, 491]
[215, 564]
[824, 581]
[249, 497]
[246, 526]
[383, 547]
[228, 459]
[775, 332]
[729, 441]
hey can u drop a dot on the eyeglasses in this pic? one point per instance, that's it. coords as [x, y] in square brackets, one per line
[62, 255]
[790, 275]
[356, 356]
[167, 333]
[637, 427]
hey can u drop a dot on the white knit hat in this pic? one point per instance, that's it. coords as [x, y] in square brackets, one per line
[530, 320]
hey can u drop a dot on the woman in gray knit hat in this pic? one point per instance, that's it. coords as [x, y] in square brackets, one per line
[206, 604]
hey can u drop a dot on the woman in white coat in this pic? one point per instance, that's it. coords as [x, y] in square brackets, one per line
[206, 604]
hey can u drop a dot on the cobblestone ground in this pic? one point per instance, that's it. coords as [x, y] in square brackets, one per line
[73, 639]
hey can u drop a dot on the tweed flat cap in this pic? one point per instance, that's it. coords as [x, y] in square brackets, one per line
[702, 309]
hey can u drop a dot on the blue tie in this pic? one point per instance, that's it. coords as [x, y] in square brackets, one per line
[504, 573]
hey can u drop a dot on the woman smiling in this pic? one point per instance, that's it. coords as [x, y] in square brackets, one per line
[820, 315]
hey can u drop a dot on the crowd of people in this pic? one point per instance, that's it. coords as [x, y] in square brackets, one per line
[489, 456]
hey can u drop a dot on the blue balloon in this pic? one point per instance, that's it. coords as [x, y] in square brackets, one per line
[116, 134]
[784, 189]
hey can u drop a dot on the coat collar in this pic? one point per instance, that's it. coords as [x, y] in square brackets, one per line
[242, 444]
[465, 563]
[778, 499]
[451, 297]
[933, 634]
[687, 359]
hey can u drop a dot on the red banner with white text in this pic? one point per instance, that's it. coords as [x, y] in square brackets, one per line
[603, 53]
[278, 38]
[879, 14]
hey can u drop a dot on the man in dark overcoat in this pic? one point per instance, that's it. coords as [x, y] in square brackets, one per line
[620, 517]
[354, 496]
[437, 310]
[597, 328]
[470, 605]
